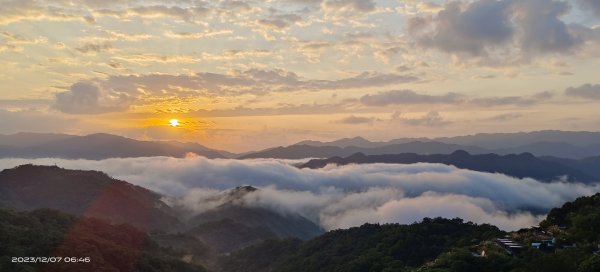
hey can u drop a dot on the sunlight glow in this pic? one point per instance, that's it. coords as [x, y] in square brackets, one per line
[174, 122]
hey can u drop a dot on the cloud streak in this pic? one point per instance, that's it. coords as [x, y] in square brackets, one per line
[116, 93]
[408, 97]
[586, 91]
[341, 197]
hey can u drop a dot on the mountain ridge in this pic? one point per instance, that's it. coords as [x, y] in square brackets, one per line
[485, 140]
[96, 146]
[307, 151]
[521, 166]
[564, 144]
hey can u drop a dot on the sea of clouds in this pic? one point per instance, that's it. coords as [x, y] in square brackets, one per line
[345, 196]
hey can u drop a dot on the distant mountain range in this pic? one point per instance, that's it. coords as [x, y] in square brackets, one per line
[561, 144]
[301, 151]
[308, 151]
[520, 166]
[228, 227]
[95, 147]
[484, 140]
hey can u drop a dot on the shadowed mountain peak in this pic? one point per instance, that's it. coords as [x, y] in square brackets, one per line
[236, 224]
[85, 193]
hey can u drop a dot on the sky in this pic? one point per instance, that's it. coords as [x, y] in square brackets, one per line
[247, 75]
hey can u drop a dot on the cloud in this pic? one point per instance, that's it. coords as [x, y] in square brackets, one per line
[117, 92]
[345, 196]
[430, 119]
[505, 29]
[186, 14]
[474, 209]
[253, 80]
[418, 7]
[356, 120]
[197, 35]
[466, 28]
[15, 42]
[94, 47]
[91, 3]
[285, 109]
[504, 117]
[235, 5]
[512, 100]
[407, 97]
[362, 6]
[362, 80]
[18, 10]
[88, 98]
[280, 21]
[543, 30]
[340, 7]
[592, 6]
[587, 91]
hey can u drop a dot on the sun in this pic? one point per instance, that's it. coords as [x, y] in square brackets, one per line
[174, 122]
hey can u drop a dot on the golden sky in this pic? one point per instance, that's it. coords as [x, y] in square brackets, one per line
[246, 75]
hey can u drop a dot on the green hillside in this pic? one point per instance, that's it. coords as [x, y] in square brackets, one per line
[49, 233]
[569, 237]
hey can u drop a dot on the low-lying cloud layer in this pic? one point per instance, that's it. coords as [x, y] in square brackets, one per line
[341, 197]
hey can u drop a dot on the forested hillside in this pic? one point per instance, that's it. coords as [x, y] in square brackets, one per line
[371, 247]
[569, 238]
[95, 245]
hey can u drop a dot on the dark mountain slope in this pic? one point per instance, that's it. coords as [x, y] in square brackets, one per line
[87, 193]
[521, 166]
[555, 149]
[589, 165]
[227, 235]
[233, 225]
